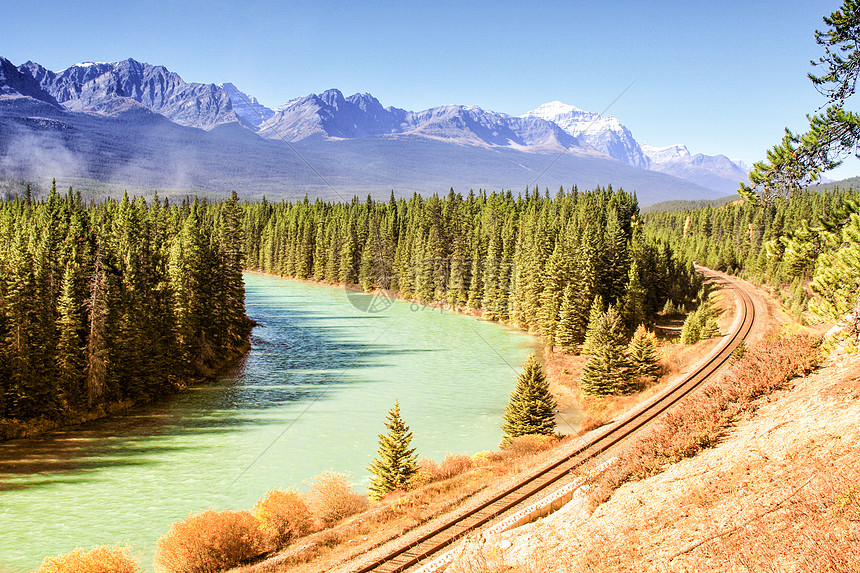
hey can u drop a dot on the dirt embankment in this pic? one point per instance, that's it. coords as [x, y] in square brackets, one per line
[779, 492]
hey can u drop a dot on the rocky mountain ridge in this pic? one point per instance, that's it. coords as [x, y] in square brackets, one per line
[114, 89]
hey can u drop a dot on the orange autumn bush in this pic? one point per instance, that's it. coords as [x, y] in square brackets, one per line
[104, 559]
[283, 515]
[529, 444]
[454, 465]
[330, 498]
[210, 541]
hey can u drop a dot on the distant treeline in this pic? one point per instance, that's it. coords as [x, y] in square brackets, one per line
[689, 204]
[534, 261]
[750, 240]
[116, 302]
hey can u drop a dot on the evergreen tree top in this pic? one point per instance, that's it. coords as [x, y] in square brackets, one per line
[396, 462]
[531, 409]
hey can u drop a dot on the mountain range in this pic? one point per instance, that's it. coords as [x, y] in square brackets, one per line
[135, 124]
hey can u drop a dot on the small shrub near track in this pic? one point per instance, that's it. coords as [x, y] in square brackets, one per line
[530, 444]
[331, 498]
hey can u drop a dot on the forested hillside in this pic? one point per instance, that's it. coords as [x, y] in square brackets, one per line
[117, 302]
[768, 242]
[537, 262]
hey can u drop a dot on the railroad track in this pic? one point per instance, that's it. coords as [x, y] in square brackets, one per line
[450, 530]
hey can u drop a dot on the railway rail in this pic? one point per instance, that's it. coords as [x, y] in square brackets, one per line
[531, 486]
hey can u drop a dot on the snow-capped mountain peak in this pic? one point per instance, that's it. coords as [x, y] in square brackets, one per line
[604, 133]
[105, 87]
[110, 89]
[713, 171]
[552, 109]
[611, 137]
[666, 153]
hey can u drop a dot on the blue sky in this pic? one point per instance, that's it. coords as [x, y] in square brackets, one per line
[718, 77]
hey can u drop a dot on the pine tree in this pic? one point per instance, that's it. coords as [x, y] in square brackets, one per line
[97, 339]
[70, 345]
[634, 299]
[458, 279]
[836, 280]
[616, 258]
[608, 368]
[531, 408]
[594, 316]
[708, 327]
[565, 330]
[644, 359]
[692, 330]
[232, 239]
[28, 384]
[551, 299]
[395, 462]
[669, 308]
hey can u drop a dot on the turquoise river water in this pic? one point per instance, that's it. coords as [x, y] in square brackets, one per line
[311, 395]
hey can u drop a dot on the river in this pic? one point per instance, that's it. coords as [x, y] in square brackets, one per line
[311, 395]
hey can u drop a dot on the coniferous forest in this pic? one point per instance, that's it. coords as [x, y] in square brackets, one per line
[533, 261]
[124, 301]
[772, 243]
[117, 302]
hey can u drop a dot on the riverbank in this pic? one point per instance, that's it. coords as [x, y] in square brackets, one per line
[17, 429]
[577, 413]
[364, 533]
[310, 396]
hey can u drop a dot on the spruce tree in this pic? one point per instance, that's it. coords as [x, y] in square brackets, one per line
[644, 359]
[669, 308]
[565, 330]
[531, 408]
[395, 462]
[608, 368]
[70, 344]
[836, 281]
[551, 299]
[700, 325]
[594, 316]
[707, 321]
[635, 312]
[691, 331]
[616, 258]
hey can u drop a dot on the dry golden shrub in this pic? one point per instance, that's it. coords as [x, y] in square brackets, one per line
[700, 420]
[283, 515]
[330, 498]
[210, 541]
[104, 559]
[426, 474]
[476, 556]
[530, 444]
[590, 423]
[454, 465]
